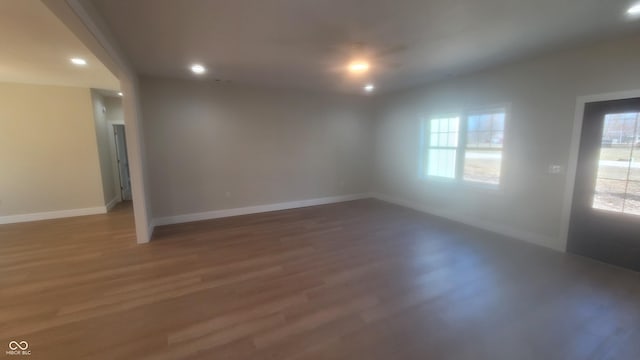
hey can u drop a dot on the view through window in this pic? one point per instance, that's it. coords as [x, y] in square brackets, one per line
[618, 181]
[483, 156]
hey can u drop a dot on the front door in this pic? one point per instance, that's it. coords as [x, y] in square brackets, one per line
[605, 217]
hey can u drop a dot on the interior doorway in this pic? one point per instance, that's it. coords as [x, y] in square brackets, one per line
[122, 161]
[605, 215]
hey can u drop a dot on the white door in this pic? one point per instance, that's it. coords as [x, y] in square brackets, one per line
[123, 161]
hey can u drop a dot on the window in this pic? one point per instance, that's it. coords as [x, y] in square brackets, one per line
[470, 150]
[483, 155]
[443, 138]
[618, 181]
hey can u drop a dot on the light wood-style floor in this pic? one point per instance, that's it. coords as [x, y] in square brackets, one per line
[356, 280]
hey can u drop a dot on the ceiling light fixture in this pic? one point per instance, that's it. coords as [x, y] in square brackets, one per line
[198, 69]
[634, 10]
[78, 61]
[120, 93]
[358, 67]
[369, 88]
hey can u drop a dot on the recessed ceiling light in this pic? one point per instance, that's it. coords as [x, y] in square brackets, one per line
[358, 67]
[198, 69]
[634, 10]
[369, 88]
[120, 93]
[78, 61]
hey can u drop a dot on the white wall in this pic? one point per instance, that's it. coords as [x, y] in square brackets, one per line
[113, 116]
[213, 147]
[103, 129]
[48, 152]
[542, 95]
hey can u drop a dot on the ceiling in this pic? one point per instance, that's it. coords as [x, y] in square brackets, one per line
[308, 43]
[37, 47]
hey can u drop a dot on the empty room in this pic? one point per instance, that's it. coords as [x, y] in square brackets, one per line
[217, 179]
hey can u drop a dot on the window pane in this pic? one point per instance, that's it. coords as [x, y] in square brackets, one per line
[609, 195]
[454, 124]
[443, 133]
[497, 139]
[444, 139]
[610, 169]
[479, 123]
[614, 156]
[482, 166]
[619, 129]
[479, 139]
[632, 199]
[486, 130]
[615, 150]
[485, 139]
[487, 122]
[442, 163]
[444, 125]
[635, 166]
[434, 140]
[473, 123]
[435, 126]
[473, 139]
[498, 122]
[618, 182]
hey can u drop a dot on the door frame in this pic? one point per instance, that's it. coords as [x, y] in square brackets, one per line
[572, 165]
[114, 157]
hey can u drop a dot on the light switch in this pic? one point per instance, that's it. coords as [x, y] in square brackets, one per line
[555, 169]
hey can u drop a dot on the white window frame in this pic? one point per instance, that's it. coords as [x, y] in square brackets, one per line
[461, 149]
[425, 144]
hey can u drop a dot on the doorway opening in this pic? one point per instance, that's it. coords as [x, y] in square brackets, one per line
[122, 161]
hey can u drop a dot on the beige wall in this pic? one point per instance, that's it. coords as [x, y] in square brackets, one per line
[48, 151]
[213, 147]
[542, 96]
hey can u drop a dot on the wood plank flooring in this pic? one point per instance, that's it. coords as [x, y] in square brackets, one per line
[355, 280]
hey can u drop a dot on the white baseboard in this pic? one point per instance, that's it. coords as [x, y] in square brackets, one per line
[10, 219]
[492, 227]
[253, 209]
[496, 228]
[150, 229]
[112, 203]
